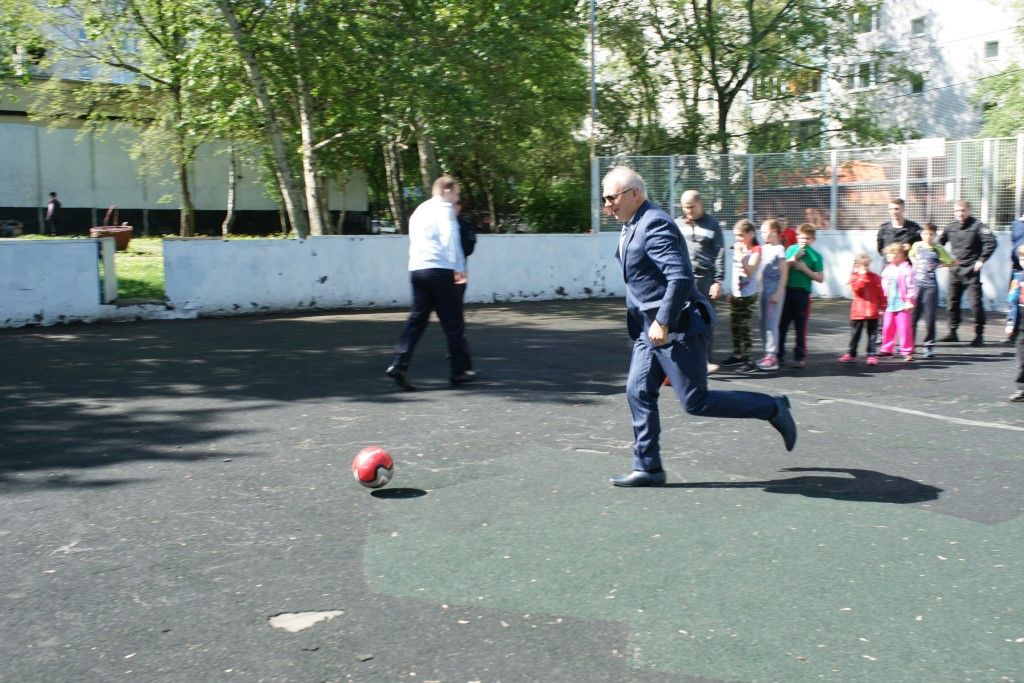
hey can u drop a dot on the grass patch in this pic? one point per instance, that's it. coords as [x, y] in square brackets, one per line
[140, 269]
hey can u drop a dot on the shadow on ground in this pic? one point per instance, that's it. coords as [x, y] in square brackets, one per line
[862, 486]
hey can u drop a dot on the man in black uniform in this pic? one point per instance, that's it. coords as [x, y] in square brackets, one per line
[971, 243]
[897, 229]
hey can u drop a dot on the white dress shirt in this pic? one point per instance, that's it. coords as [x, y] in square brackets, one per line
[434, 240]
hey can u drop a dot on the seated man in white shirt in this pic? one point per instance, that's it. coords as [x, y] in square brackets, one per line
[437, 266]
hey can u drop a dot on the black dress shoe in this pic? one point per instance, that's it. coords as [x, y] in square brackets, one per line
[951, 337]
[640, 478]
[783, 422]
[978, 341]
[465, 378]
[401, 378]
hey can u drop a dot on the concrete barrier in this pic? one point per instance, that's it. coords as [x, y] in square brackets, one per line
[57, 281]
[218, 277]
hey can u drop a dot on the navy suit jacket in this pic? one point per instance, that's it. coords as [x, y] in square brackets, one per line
[658, 274]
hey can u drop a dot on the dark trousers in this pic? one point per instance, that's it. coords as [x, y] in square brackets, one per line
[1019, 329]
[795, 310]
[924, 309]
[958, 282]
[741, 313]
[684, 362]
[434, 289]
[703, 284]
[858, 327]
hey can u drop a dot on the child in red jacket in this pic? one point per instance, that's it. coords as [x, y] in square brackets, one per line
[868, 303]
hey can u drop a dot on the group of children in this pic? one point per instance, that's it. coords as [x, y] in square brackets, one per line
[779, 278]
[903, 295]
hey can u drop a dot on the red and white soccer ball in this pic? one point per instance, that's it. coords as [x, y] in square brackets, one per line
[373, 467]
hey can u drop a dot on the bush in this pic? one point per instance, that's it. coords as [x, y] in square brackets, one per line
[561, 206]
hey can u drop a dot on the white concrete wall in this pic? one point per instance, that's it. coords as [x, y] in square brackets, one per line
[838, 247]
[48, 281]
[45, 282]
[216, 277]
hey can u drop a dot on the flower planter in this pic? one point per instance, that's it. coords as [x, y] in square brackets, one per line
[122, 234]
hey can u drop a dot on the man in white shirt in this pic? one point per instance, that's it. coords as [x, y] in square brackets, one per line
[437, 266]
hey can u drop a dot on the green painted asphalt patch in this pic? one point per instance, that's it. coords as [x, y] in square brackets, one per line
[726, 583]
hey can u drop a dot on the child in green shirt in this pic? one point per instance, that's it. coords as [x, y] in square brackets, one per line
[805, 266]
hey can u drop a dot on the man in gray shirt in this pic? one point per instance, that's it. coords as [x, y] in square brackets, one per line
[706, 245]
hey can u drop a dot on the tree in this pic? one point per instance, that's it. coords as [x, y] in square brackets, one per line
[141, 57]
[707, 56]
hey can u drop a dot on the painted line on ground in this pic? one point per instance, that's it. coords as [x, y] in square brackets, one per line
[921, 413]
[907, 411]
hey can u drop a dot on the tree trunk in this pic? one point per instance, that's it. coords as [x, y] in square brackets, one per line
[495, 223]
[229, 217]
[310, 178]
[187, 222]
[290, 192]
[282, 219]
[429, 169]
[393, 171]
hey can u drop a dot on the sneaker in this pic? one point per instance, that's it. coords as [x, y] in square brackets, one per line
[799, 364]
[713, 368]
[908, 357]
[747, 367]
[929, 352]
[978, 341]
[768, 363]
[1018, 397]
[951, 337]
[846, 358]
[731, 360]
[872, 360]
[884, 354]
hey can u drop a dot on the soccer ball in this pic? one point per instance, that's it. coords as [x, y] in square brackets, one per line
[373, 467]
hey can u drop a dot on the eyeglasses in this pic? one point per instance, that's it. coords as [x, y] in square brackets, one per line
[609, 198]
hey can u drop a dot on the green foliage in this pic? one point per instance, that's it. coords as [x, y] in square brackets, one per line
[1002, 95]
[561, 205]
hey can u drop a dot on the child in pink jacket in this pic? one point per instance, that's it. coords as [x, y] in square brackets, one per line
[901, 294]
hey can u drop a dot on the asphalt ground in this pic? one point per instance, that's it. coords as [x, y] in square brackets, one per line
[168, 488]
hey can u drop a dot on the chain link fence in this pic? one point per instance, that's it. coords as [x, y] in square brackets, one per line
[838, 189]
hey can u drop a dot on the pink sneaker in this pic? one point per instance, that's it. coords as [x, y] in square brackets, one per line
[872, 360]
[846, 358]
[769, 362]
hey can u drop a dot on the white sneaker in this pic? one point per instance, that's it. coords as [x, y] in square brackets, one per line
[713, 368]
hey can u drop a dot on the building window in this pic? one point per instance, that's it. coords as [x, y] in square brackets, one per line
[804, 82]
[916, 84]
[860, 76]
[917, 26]
[865, 20]
[992, 49]
[806, 133]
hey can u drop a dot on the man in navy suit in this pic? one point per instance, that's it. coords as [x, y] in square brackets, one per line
[669, 322]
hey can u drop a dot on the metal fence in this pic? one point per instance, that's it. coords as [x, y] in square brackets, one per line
[845, 189]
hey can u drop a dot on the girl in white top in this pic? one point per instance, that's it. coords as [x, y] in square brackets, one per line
[746, 285]
[773, 290]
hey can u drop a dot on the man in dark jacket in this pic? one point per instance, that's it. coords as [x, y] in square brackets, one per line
[669, 321]
[897, 229]
[971, 243]
[704, 241]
